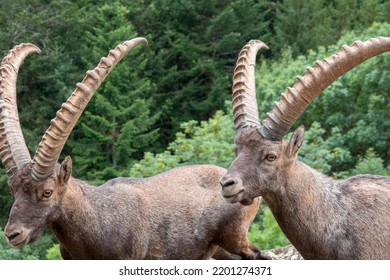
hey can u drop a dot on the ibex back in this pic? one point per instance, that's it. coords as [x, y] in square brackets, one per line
[179, 214]
[322, 217]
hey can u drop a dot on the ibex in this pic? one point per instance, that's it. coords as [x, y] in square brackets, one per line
[179, 214]
[322, 217]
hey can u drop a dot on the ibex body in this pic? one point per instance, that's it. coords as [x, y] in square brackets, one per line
[179, 214]
[322, 217]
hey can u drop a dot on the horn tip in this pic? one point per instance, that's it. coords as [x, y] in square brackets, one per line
[31, 47]
[137, 41]
[259, 44]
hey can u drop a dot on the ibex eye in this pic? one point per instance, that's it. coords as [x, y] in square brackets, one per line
[271, 157]
[47, 193]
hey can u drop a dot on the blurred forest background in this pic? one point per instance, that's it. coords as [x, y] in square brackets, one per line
[169, 104]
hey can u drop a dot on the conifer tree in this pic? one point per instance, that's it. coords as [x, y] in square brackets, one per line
[115, 128]
[195, 45]
[302, 25]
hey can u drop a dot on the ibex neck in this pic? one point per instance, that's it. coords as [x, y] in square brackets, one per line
[303, 208]
[74, 225]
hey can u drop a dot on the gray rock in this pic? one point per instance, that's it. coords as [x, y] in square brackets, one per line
[284, 253]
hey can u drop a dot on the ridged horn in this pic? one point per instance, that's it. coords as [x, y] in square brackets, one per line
[244, 102]
[13, 149]
[61, 126]
[294, 102]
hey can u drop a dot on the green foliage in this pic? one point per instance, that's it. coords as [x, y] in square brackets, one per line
[324, 154]
[5, 199]
[267, 235]
[194, 45]
[54, 253]
[371, 164]
[302, 25]
[306, 25]
[211, 142]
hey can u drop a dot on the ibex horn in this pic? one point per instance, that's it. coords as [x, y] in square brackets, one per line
[244, 102]
[307, 88]
[56, 135]
[13, 149]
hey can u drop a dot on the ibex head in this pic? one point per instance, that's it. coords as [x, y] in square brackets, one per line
[38, 184]
[37, 203]
[263, 158]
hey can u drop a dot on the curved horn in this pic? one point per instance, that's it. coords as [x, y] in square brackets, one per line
[307, 88]
[244, 102]
[56, 135]
[13, 149]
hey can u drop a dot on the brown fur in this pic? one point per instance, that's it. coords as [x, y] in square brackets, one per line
[179, 214]
[322, 217]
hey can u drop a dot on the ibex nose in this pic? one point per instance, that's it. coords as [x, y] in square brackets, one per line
[16, 236]
[226, 182]
[12, 235]
[232, 188]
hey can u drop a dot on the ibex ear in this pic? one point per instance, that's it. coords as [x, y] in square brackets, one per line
[296, 141]
[66, 170]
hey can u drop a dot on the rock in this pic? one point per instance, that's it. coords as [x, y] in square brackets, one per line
[284, 253]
